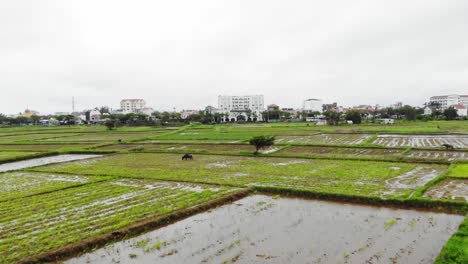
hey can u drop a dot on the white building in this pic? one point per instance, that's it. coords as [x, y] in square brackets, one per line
[132, 105]
[445, 101]
[427, 110]
[184, 114]
[462, 110]
[312, 105]
[241, 108]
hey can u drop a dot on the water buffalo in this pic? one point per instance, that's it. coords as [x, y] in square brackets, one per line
[187, 157]
[448, 146]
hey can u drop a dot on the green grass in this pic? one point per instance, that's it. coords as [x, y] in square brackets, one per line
[456, 249]
[459, 170]
[32, 137]
[20, 184]
[42, 147]
[364, 178]
[335, 152]
[41, 223]
[192, 148]
[15, 155]
[103, 136]
[73, 201]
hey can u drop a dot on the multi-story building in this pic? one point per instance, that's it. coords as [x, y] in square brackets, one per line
[132, 105]
[446, 101]
[312, 105]
[241, 108]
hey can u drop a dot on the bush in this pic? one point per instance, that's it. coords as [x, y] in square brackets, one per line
[261, 142]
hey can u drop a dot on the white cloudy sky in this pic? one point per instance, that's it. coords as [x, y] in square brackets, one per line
[184, 53]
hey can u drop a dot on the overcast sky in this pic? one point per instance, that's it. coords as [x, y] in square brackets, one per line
[184, 54]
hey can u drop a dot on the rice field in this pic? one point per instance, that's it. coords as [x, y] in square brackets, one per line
[12, 155]
[193, 148]
[340, 152]
[429, 141]
[449, 189]
[437, 155]
[370, 178]
[22, 184]
[71, 215]
[42, 147]
[97, 189]
[110, 136]
[337, 139]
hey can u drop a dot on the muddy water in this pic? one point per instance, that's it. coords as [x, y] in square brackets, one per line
[261, 229]
[17, 165]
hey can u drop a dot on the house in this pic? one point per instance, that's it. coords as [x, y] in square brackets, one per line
[427, 110]
[387, 121]
[187, 113]
[461, 110]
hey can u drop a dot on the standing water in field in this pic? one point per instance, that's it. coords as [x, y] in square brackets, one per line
[17, 165]
[263, 229]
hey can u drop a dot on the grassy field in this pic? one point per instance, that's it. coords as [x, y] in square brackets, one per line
[364, 178]
[49, 207]
[74, 214]
[16, 155]
[459, 170]
[22, 184]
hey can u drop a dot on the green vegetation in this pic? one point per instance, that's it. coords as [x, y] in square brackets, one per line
[73, 214]
[260, 142]
[143, 178]
[459, 170]
[365, 178]
[7, 156]
[456, 249]
[22, 184]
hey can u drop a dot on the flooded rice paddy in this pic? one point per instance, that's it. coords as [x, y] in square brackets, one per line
[17, 165]
[264, 229]
[325, 139]
[458, 141]
[449, 189]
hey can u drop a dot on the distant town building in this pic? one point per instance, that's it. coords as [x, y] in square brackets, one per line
[93, 117]
[187, 113]
[132, 105]
[397, 105]
[29, 113]
[461, 110]
[312, 105]
[61, 113]
[446, 101]
[145, 110]
[331, 107]
[241, 108]
[272, 107]
[427, 110]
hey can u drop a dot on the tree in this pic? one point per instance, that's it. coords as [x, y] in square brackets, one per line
[332, 117]
[103, 110]
[110, 124]
[354, 116]
[450, 113]
[408, 111]
[261, 142]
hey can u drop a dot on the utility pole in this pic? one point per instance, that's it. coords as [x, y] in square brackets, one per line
[73, 104]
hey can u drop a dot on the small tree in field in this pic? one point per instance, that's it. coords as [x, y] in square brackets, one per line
[110, 124]
[261, 142]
